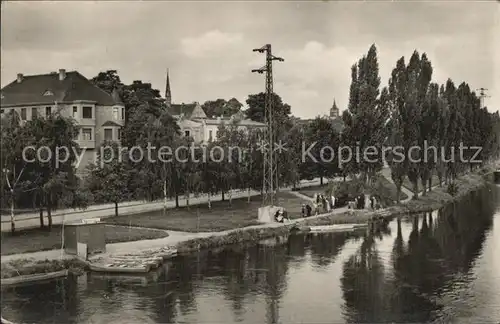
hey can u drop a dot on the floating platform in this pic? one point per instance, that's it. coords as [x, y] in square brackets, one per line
[33, 277]
[142, 279]
[336, 228]
[124, 267]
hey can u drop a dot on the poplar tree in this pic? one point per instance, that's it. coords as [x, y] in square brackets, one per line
[365, 118]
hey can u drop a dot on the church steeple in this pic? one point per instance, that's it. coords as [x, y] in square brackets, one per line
[168, 94]
[334, 111]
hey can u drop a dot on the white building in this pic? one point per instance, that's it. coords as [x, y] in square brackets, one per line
[194, 123]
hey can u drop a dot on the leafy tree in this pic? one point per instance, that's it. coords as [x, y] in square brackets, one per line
[153, 128]
[109, 181]
[365, 118]
[398, 134]
[108, 81]
[419, 72]
[55, 179]
[322, 132]
[12, 164]
[257, 109]
[291, 159]
[221, 107]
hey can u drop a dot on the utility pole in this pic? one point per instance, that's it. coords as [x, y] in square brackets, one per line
[482, 95]
[267, 143]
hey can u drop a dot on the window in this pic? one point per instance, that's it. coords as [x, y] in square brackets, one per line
[34, 113]
[48, 111]
[187, 133]
[2, 111]
[123, 113]
[210, 135]
[87, 112]
[108, 134]
[119, 133]
[87, 134]
[23, 114]
[75, 111]
[115, 113]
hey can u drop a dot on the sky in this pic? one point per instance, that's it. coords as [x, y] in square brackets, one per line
[207, 46]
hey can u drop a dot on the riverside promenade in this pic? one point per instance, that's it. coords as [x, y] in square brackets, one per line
[32, 220]
[156, 247]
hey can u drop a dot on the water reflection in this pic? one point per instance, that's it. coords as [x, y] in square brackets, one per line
[419, 269]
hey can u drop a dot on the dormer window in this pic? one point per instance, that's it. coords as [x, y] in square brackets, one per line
[48, 93]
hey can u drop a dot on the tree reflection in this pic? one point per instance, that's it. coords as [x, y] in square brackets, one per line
[326, 247]
[55, 300]
[427, 256]
[438, 248]
[362, 283]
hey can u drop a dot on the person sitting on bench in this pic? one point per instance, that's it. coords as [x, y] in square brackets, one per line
[281, 215]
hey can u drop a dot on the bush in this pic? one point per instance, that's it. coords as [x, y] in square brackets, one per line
[452, 189]
[349, 189]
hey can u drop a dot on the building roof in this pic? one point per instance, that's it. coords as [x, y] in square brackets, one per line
[110, 123]
[74, 87]
[178, 109]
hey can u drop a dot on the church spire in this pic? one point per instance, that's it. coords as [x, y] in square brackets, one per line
[168, 94]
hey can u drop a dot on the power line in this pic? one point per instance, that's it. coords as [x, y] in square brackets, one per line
[270, 174]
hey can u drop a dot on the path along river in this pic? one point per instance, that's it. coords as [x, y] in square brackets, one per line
[442, 266]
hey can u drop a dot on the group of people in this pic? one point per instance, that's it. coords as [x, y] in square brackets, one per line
[320, 203]
[360, 202]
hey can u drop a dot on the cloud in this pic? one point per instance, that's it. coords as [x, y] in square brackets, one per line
[210, 43]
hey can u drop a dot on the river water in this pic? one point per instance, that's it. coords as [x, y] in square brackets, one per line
[439, 267]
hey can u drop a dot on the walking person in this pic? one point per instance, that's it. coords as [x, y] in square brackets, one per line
[333, 201]
[325, 204]
[308, 210]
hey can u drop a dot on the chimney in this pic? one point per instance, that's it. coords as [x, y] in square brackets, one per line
[62, 74]
[19, 77]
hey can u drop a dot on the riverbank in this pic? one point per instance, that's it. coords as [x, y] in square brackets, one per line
[167, 247]
[32, 219]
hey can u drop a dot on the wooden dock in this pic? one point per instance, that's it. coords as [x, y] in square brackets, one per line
[130, 263]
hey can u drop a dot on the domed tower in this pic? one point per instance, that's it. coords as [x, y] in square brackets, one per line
[334, 111]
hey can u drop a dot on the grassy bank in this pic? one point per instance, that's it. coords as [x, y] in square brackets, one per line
[433, 200]
[28, 267]
[439, 197]
[33, 240]
[222, 216]
[245, 235]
